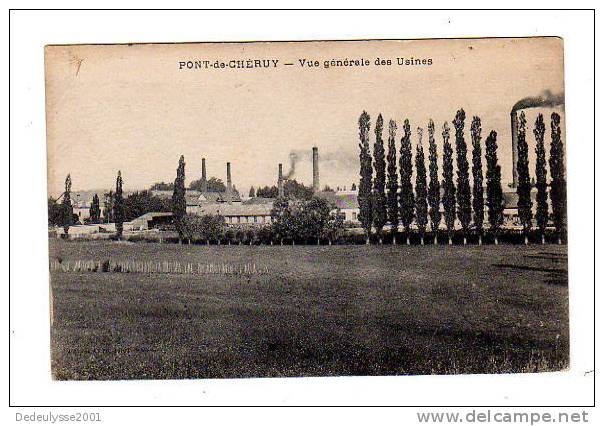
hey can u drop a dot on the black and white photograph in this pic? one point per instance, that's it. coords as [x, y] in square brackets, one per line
[300, 209]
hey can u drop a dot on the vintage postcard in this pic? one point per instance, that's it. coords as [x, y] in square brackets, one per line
[319, 208]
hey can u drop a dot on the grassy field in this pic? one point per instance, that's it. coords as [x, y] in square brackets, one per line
[339, 310]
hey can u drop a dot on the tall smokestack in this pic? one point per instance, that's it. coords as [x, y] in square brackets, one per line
[229, 194]
[315, 169]
[546, 99]
[204, 181]
[280, 181]
[514, 123]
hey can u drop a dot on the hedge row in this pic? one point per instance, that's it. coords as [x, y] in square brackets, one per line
[504, 237]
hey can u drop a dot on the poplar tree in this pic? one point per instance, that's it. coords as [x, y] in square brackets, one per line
[252, 192]
[434, 186]
[477, 189]
[379, 181]
[406, 201]
[108, 207]
[542, 213]
[558, 181]
[66, 207]
[448, 184]
[421, 190]
[179, 202]
[95, 209]
[525, 204]
[366, 172]
[464, 202]
[118, 205]
[494, 190]
[392, 200]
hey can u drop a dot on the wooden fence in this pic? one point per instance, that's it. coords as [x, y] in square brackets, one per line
[156, 267]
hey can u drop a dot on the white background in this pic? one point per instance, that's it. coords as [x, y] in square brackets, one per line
[29, 331]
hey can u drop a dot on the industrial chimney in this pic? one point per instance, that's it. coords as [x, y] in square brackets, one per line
[280, 181]
[514, 123]
[315, 169]
[548, 100]
[204, 181]
[229, 191]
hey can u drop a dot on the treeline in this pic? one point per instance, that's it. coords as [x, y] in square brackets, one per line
[390, 193]
[134, 205]
[116, 209]
[293, 222]
[291, 189]
[213, 184]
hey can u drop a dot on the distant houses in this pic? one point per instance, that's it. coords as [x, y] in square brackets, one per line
[255, 211]
[252, 211]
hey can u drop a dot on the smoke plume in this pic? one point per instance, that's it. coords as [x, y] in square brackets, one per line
[546, 99]
[333, 159]
[294, 158]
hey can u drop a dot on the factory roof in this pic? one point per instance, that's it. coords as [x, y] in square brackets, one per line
[259, 200]
[238, 209]
[218, 197]
[341, 200]
[195, 197]
[191, 195]
[153, 215]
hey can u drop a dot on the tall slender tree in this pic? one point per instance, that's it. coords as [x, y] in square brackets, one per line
[379, 180]
[421, 190]
[434, 186]
[525, 204]
[494, 190]
[464, 202]
[477, 189]
[406, 200]
[448, 184]
[67, 207]
[95, 209]
[179, 201]
[366, 172]
[108, 207]
[542, 212]
[118, 205]
[558, 182]
[392, 195]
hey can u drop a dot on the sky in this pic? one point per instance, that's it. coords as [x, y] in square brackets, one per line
[132, 108]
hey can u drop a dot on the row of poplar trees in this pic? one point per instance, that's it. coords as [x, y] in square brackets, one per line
[388, 196]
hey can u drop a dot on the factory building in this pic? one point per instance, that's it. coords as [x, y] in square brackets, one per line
[245, 213]
[255, 211]
[346, 202]
[191, 197]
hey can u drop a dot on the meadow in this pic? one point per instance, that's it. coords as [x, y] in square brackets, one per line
[309, 311]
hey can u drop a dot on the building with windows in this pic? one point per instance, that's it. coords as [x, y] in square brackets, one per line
[346, 202]
[250, 212]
